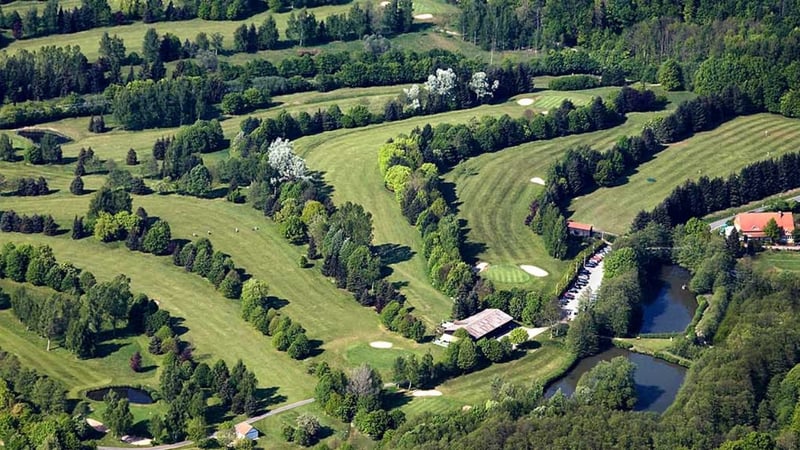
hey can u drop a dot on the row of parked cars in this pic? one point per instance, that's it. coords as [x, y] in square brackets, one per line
[569, 301]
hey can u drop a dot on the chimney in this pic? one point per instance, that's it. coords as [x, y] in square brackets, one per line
[780, 214]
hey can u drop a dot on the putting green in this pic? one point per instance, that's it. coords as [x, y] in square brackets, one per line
[506, 273]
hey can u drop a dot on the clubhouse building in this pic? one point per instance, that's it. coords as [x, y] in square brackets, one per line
[751, 225]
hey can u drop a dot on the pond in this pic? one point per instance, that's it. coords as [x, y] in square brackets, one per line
[134, 396]
[673, 307]
[657, 381]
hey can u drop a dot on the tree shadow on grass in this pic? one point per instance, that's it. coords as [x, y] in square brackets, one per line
[394, 253]
[106, 349]
[219, 192]
[276, 302]
[470, 249]
[140, 429]
[318, 179]
[315, 348]
[396, 399]
[178, 327]
[267, 397]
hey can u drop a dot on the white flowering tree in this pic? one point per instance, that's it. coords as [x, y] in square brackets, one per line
[281, 157]
[412, 97]
[479, 84]
[443, 83]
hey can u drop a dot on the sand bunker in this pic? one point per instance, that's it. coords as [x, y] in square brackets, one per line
[481, 266]
[381, 344]
[429, 393]
[384, 4]
[424, 16]
[97, 425]
[136, 440]
[525, 101]
[537, 180]
[533, 270]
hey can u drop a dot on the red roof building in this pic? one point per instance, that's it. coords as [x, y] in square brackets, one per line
[579, 229]
[752, 224]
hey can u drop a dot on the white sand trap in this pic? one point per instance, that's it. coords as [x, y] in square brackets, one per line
[544, 113]
[537, 180]
[381, 344]
[97, 425]
[481, 266]
[533, 270]
[424, 16]
[383, 4]
[525, 101]
[429, 393]
[452, 33]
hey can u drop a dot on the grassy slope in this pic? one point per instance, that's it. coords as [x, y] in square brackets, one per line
[713, 153]
[349, 161]
[495, 190]
[133, 34]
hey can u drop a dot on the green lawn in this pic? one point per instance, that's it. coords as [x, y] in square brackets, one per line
[348, 159]
[77, 375]
[506, 274]
[540, 365]
[495, 191]
[133, 34]
[778, 261]
[713, 153]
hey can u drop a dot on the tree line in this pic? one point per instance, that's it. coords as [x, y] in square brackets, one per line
[84, 310]
[166, 103]
[10, 221]
[43, 399]
[698, 198]
[582, 170]
[357, 397]
[30, 187]
[283, 188]
[258, 308]
[81, 310]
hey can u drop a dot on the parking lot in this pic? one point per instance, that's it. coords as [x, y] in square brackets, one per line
[586, 285]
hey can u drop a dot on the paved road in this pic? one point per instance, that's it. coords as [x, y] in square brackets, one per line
[250, 420]
[721, 222]
[280, 410]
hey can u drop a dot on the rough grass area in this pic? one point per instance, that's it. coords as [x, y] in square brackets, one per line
[778, 261]
[506, 274]
[713, 153]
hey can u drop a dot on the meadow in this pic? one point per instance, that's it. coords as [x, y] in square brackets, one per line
[718, 152]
